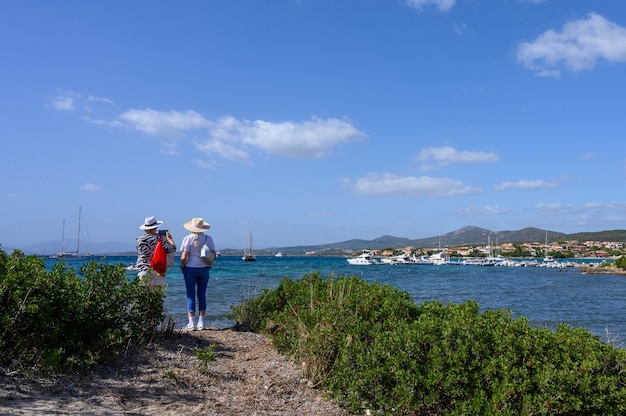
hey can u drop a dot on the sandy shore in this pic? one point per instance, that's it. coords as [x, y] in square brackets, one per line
[247, 378]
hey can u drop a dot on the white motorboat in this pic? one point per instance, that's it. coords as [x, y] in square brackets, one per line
[421, 260]
[439, 258]
[363, 259]
[399, 259]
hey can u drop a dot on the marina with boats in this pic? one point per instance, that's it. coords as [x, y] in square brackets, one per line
[443, 259]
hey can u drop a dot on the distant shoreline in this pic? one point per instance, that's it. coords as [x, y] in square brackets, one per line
[596, 269]
[593, 268]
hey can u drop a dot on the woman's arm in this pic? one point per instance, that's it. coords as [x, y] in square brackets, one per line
[183, 259]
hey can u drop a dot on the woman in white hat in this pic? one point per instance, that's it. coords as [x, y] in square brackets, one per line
[146, 244]
[195, 270]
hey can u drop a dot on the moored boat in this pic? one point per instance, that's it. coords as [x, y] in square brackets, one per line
[71, 254]
[399, 259]
[248, 254]
[440, 258]
[363, 259]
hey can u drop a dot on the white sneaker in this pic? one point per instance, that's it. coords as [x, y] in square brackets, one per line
[188, 327]
[200, 326]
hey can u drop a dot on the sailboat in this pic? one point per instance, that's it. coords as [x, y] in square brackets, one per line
[248, 254]
[72, 254]
[547, 258]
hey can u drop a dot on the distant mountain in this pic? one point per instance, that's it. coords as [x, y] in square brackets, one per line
[610, 235]
[464, 236]
[469, 235]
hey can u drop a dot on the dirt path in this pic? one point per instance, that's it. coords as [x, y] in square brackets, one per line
[247, 378]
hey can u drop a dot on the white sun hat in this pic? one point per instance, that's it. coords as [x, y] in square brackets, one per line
[150, 223]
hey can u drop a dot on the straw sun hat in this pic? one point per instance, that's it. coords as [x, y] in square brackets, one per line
[197, 225]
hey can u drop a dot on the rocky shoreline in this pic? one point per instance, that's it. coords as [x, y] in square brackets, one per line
[597, 269]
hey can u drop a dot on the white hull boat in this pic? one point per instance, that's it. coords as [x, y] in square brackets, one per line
[362, 260]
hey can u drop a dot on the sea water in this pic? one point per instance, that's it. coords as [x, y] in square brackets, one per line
[546, 296]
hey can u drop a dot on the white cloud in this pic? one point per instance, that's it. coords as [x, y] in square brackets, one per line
[462, 29]
[308, 139]
[442, 5]
[591, 214]
[169, 124]
[486, 210]
[64, 101]
[577, 47]
[169, 148]
[224, 150]
[390, 184]
[90, 187]
[95, 99]
[103, 122]
[230, 138]
[204, 164]
[561, 208]
[444, 156]
[526, 184]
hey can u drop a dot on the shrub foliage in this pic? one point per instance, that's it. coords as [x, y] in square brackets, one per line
[62, 321]
[373, 348]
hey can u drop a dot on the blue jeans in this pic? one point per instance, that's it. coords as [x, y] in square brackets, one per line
[196, 277]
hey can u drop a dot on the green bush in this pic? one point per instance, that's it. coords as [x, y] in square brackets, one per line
[373, 348]
[59, 321]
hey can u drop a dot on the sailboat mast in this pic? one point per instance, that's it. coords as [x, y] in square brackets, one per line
[78, 237]
[63, 237]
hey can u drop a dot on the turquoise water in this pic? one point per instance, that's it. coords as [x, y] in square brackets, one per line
[545, 296]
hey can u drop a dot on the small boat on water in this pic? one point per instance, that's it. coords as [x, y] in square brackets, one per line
[440, 258]
[248, 254]
[399, 259]
[421, 260]
[362, 259]
[248, 257]
[480, 261]
[279, 254]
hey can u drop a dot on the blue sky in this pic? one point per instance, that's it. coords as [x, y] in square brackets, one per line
[311, 121]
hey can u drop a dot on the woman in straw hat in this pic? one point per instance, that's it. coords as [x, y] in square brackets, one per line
[195, 270]
[146, 244]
